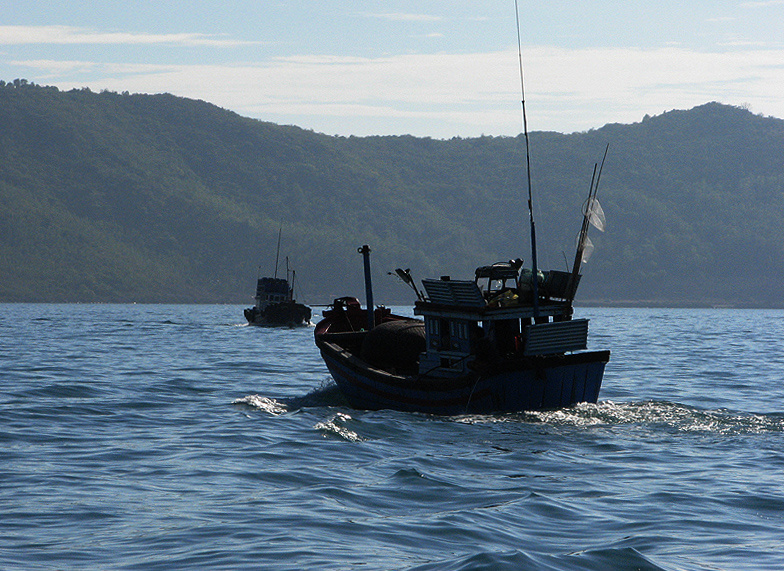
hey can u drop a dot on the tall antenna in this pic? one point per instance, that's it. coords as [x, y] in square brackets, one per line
[534, 265]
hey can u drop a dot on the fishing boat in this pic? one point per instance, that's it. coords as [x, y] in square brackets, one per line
[505, 341]
[501, 342]
[275, 303]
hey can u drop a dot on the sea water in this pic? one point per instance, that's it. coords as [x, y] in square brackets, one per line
[177, 437]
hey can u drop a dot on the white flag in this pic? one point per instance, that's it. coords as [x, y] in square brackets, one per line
[595, 214]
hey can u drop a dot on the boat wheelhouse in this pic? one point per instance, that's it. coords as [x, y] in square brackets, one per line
[493, 316]
[275, 305]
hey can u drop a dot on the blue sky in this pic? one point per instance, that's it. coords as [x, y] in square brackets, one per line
[436, 68]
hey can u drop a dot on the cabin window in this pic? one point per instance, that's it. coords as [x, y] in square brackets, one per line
[458, 329]
[432, 332]
[445, 327]
[447, 335]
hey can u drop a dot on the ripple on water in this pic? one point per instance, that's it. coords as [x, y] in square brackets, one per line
[615, 559]
[121, 449]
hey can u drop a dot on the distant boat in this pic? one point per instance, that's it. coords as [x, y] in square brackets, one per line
[275, 303]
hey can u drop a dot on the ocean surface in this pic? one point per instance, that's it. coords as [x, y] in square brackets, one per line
[177, 437]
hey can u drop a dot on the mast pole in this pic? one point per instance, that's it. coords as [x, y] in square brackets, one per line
[289, 284]
[365, 251]
[277, 254]
[534, 265]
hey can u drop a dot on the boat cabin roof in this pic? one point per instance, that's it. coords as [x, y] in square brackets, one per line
[463, 299]
[272, 285]
[500, 271]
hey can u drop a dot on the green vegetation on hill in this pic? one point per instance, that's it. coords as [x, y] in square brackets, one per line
[156, 198]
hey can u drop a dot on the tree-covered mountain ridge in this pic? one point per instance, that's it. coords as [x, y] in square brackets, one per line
[108, 197]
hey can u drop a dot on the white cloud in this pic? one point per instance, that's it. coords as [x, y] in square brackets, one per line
[763, 4]
[443, 95]
[57, 69]
[401, 17]
[65, 35]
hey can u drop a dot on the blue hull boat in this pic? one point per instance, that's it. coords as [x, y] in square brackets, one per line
[476, 350]
[505, 341]
[547, 383]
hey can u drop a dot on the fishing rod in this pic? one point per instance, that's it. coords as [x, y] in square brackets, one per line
[578, 256]
[532, 223]
[405, 276]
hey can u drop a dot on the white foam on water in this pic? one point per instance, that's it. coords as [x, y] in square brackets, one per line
[264, 404]
[335, 425]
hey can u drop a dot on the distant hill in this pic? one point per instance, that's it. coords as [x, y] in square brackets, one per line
[108, 197]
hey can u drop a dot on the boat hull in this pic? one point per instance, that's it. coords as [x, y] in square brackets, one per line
[281, 314]
[527, 385]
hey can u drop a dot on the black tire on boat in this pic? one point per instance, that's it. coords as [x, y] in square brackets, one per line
[395, 344]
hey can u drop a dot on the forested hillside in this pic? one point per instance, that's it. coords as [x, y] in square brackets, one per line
[153, 198]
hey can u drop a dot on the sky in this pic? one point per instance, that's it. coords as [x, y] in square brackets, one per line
[432, 68]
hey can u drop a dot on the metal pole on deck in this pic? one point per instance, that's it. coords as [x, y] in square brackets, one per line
[532, 224]
[365, 251]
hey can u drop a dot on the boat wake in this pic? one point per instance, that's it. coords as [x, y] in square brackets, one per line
[335, 426]
[327, 395]
[673, 416]
[264, 404]
[660, 414]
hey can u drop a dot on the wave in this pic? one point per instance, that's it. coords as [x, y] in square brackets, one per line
[327, 395]
[617, 559]
[322, 397]
[264, 404]
[335, 426]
